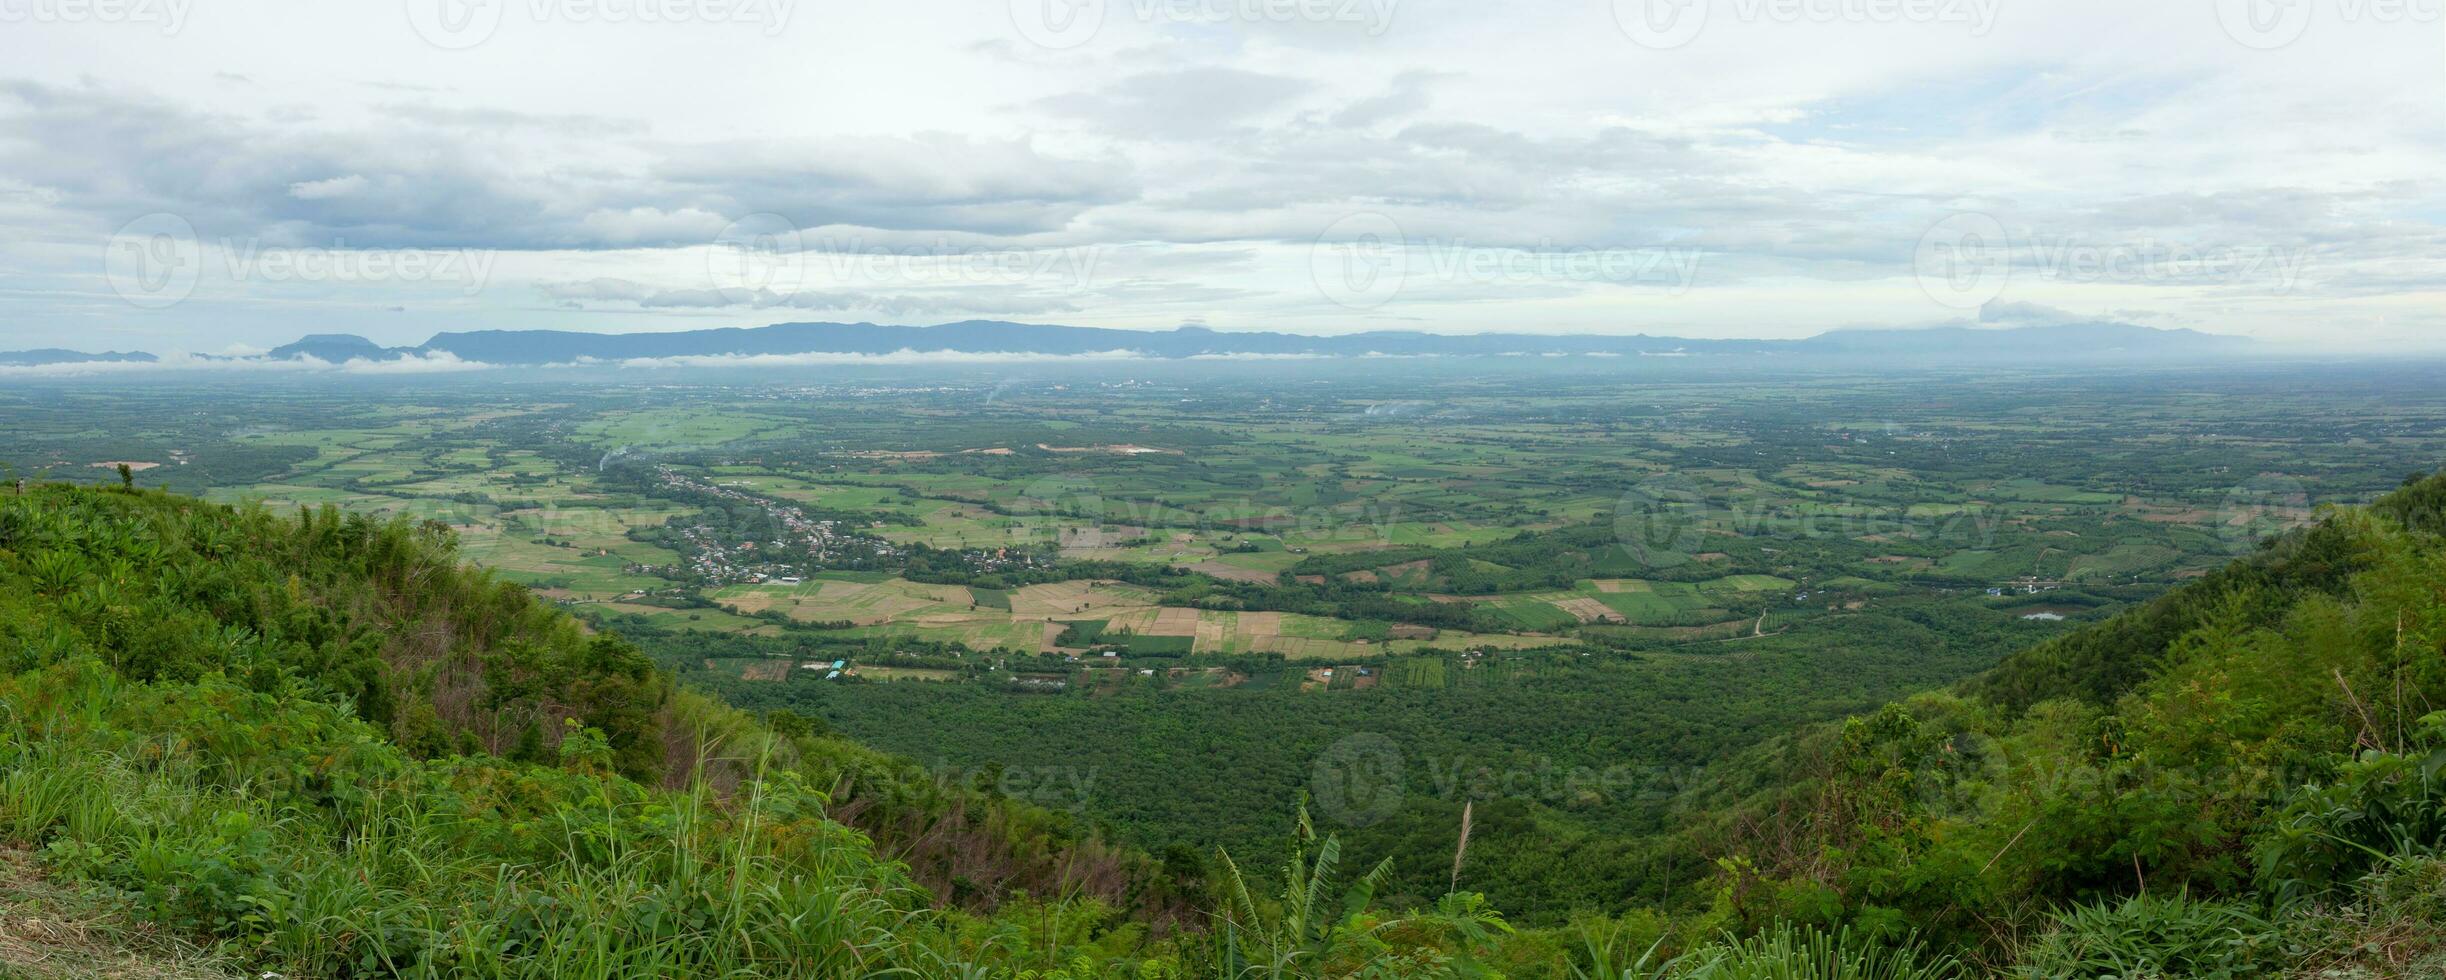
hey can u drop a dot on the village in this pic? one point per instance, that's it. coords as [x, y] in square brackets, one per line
[789, 544]
[793, 544]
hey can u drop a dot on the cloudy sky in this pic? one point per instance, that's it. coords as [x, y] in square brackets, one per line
[201, 174]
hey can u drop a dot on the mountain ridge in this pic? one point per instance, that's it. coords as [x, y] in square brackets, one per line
[2100, 340]
[56, 355]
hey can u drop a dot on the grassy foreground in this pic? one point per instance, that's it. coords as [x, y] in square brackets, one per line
[321, 747]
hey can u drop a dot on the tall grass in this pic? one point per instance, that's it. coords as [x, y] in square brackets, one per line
[1785, 953]
[453, 868]
[2155, 935]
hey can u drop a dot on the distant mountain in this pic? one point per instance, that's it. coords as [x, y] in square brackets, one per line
[2051, 342]
[2073, 341]
[998, 337]
[337, 348]
[54, 355]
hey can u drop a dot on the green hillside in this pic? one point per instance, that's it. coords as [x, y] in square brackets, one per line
[2246, 777]
[235, 743]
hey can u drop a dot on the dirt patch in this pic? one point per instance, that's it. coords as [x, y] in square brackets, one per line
[883, 454]
[1124, 449]
[1172, 621]
[841, 591]
[769, 670]
[1072, 599]
[53, 932]
[1305, 647]
[132, 465]
[1412, 631]
[752, 602]
[1621, 585]
[1587, 610]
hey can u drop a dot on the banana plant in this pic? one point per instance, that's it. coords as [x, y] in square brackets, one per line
[1316, 928]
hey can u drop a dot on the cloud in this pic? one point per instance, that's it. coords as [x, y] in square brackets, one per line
[319, 190]
[1211, 146]
[503, 180]
[1407, 95]
[438, 362]
[827, 359]
[1187, 104]
[2020, 314]
[980, 301]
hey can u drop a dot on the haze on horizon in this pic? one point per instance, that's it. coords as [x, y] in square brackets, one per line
[204, 176]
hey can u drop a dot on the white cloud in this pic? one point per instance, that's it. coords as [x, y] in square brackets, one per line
[1805, 156]
[438, 362]
[322, 190]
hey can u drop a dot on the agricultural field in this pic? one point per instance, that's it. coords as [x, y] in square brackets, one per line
[1582, 571]
[1285, 519]
[1071, 617]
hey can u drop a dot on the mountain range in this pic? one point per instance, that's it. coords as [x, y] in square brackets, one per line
[2068, 341]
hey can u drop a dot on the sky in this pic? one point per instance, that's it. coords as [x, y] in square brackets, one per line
[226, 175]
